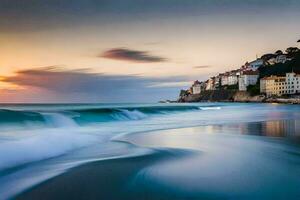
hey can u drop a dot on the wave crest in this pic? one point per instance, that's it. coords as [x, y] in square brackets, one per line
[77, 116]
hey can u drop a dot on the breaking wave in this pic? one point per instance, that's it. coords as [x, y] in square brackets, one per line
[46, 144]
[73, 117]
[210, 108]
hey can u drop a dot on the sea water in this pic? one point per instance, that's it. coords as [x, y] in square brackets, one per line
[40, 141]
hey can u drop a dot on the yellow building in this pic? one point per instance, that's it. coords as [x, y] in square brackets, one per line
[273, 85]
[279, 85]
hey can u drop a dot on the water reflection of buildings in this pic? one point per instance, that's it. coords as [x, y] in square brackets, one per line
[281, 128]
[278, 128]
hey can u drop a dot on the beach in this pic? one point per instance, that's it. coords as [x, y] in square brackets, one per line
[186, 164]
[250, 151]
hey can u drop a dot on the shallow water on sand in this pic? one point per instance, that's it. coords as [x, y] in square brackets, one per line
[212, 150]
[222, 166]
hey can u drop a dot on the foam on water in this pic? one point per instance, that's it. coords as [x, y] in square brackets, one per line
[63, 129]
[67, 130]
[129, 115]
[46, 144]
[58, 120]
[210, 108]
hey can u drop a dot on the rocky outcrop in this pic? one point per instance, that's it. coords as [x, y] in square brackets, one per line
[222, 95]
[210, 95]
[283, 100]
[236, 96]
[243, 96]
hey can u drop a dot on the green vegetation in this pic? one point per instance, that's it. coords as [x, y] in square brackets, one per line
[253, 89]
[281, 69]
[229, 87]
[233, 87]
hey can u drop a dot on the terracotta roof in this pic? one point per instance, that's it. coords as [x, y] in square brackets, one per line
[251, 72]
[272, 77]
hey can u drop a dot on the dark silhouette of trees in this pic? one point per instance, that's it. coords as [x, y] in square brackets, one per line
[280, 69]
[278, 52]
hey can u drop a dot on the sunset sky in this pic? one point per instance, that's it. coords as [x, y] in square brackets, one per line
[132, 50]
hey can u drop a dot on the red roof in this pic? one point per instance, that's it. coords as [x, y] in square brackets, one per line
[251, 72]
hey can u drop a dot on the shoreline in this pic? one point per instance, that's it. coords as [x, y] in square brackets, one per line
[178, 164]
[95, 180]
[106, 179]
[179, 169]
[234, 96]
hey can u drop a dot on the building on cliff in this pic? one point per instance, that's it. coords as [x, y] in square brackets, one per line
[224, 79]
[212, 83]
[252, 66]
[247, 78]
[280, 85]
[197, 87]
[293, 83]
[282, 58]
[233, 77]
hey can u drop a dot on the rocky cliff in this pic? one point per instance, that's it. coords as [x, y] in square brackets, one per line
[222, 95]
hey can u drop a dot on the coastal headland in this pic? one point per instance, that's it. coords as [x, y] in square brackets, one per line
[235, 96]
[273, 78]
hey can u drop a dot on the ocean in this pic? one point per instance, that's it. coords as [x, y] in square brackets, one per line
[150, 151]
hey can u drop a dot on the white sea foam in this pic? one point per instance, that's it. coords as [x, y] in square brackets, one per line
[47, 144]
[210, 108]
[58, 120]
[130, 115]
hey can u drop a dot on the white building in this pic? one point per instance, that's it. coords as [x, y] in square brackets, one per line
[247, 78]
[217, 82]
[281, 58]
[224, 79]
[254, 65]
[197, 87]
[292, 83]
[233, 78]
[210, 85]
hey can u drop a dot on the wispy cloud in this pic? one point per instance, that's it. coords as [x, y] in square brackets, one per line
[84, 86]
[131, 55]
[201, 66]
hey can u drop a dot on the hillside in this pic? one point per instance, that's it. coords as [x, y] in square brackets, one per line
[281, 69]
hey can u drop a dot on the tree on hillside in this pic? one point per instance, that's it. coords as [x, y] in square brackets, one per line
[291, 50]
[278, 52]
[267, 56]
[298, 41]
[280, 69]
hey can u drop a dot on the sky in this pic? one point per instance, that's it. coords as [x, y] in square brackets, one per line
[73, 51]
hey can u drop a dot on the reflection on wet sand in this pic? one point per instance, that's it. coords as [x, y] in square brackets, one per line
[280, 128]
[225, 164]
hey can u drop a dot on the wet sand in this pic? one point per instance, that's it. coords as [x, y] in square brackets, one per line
[109, 179]
[189, 163]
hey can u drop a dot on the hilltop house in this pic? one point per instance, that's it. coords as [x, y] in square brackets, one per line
[282, 58]
[247, 78]
[253, 66]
